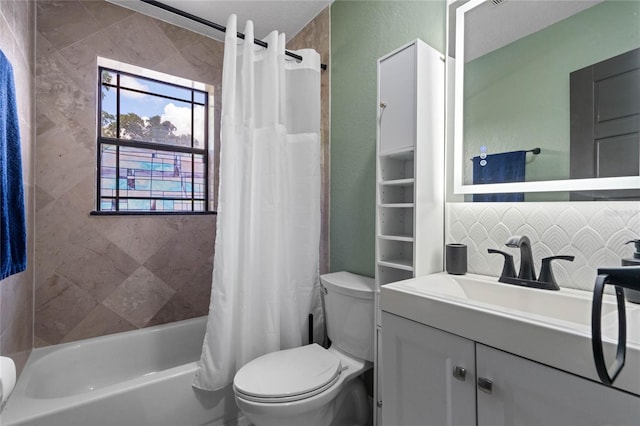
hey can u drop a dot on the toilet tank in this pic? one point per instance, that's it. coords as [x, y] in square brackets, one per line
[349, 308]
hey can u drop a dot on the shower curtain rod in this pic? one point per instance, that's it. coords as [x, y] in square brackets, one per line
[215, 26]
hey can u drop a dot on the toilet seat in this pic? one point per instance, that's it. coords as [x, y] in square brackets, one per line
[288, 375]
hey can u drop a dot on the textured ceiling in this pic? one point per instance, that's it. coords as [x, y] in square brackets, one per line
[287, 16]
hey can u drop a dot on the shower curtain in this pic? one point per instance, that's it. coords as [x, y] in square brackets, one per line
[265, 275]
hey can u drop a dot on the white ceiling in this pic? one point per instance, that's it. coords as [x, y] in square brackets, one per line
[285, 16]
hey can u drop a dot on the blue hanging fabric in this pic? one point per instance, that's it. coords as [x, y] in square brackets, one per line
[13, 229]
[499, 168]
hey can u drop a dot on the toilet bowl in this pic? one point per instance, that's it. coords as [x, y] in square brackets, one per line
[311, 385]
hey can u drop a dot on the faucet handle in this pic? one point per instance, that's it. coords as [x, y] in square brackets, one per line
[546, 272]
[508, 269]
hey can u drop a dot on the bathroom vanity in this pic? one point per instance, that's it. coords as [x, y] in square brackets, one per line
[468, 350]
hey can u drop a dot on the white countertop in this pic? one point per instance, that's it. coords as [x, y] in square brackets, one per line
[550, 327]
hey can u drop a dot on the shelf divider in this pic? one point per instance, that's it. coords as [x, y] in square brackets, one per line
[404, 264]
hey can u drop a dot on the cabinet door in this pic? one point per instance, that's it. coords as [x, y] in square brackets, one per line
[418, 383]
[397, 80]
[527, 393]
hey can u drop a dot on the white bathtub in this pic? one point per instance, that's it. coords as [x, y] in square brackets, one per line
[136, 378]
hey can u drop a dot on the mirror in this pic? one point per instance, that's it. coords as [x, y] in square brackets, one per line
[514, 63]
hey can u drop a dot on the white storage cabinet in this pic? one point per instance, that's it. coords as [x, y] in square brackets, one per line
[409, 170]
[432, 377]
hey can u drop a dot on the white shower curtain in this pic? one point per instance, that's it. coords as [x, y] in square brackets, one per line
[265, 275]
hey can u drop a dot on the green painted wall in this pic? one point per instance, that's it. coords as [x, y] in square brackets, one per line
[362, 32]
[517, 97]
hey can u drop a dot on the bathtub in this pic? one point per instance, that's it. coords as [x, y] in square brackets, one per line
[136, 378]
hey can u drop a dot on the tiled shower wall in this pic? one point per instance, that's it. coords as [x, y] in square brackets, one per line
[100, 275]
[17, 22]
[594, 232]
[97, 275]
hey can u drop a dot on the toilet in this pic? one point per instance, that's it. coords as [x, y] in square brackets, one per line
[311, 385]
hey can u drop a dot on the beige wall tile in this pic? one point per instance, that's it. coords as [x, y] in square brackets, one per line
[61, 163]
[178, 262]
[180, 37]
[140, 236]
[198, 290]
[140, 297]
[99, 322]
[60, 306]
[177, 308]
[66, 22]
[140, 38]
[16, 291]
[106, 13]
[96, 265]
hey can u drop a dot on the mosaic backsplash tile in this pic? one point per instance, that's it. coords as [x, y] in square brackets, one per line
[594, 232]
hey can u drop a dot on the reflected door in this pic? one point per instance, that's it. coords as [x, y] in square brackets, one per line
[605, 123]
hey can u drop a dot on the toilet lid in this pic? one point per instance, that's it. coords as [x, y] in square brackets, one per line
[288, 375]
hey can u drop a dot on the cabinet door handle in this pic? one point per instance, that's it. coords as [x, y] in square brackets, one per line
[460, 373]
[485, 385]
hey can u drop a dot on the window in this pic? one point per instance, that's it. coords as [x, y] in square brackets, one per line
[153, 148]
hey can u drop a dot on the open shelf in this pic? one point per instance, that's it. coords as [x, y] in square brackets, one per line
[404, 264]
[398, 182]
[407, 238]
[397, 206]
[396, 166]
[396, 195]
[387, 274]
[395, 221]
[405, 154]
[397, 254]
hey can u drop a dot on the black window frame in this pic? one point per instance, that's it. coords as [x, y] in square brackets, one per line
[134, 143]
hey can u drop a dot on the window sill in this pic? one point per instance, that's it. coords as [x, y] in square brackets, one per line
[99, 213]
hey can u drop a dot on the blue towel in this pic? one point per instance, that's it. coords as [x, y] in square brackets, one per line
[13, 229]
[499, 168]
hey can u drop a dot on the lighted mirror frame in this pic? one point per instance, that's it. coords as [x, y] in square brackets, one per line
[591, 184]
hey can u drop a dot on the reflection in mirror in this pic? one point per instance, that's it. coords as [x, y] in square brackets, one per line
[532, 73]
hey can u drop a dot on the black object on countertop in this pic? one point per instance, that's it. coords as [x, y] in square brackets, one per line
[632, 295]
[456, 258]
[625, 277]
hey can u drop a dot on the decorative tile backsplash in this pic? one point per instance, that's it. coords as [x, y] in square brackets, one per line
[593, 232]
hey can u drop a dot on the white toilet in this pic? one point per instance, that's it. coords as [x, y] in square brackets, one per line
[311, 385]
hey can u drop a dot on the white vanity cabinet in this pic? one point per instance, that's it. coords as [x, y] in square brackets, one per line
[422, 385]
[418, 383]
[526, 393]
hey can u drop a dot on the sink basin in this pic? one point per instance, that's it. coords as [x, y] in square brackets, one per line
[551, 327]
[545, 305]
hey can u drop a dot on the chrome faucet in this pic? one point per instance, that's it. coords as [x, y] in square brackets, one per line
[527, 270]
